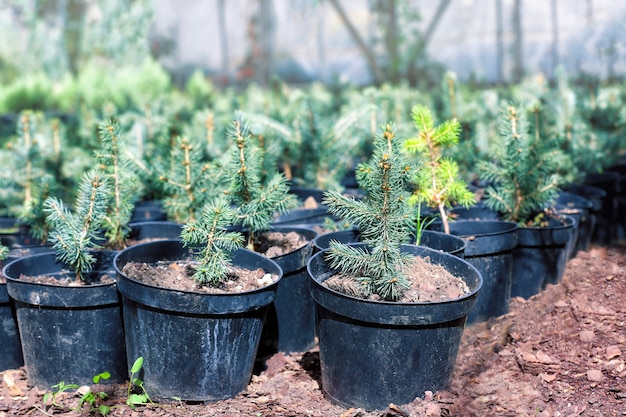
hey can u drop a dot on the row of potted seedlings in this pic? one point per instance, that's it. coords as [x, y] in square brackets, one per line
[385, 334]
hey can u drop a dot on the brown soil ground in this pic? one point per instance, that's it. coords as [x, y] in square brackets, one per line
[561, 353]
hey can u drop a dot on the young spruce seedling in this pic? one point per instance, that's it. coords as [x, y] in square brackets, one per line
[216, 243]
[255, 201]
[123, 189]
[74, 234]
[382, 219]
[438, 183]
[523, 181]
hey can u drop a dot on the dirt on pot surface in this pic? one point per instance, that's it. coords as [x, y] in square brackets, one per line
[560, 353]
[273, 244]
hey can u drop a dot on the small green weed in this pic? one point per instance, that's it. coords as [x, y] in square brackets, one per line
[58, 389]
[136, 384]
[94, 399]
[136, 393]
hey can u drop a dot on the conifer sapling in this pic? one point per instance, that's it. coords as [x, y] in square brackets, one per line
[255, 202]
[122, 183]
[25, 166]
[73, 234]
[34, 214]
[437, 182]
[382, 219]
[524, 182]
[208, 234]
[190, 182]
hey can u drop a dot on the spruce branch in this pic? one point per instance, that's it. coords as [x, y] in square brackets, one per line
[73, 234]
[190, 182]
[215, 243]
[437, 183]
[256, 203]
[29, 148]
[34, 215]
[123, 184]
[382, 219]
[25, 165]
[318, 149]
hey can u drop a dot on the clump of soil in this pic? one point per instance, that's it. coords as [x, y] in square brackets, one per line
[429, 283]
[273, 244]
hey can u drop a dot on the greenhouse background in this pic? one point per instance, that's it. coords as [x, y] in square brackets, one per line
[357, 41]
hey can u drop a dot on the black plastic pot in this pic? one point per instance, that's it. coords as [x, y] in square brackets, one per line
[443, 242]
[154, 230]
[605, 232]
[620, 199]
[305, 192]
[304, 216]
[13, 234]
[10, 347]
[540, 256]
[478, 211]
[290, 323]
[432, 239]
[489, 248]
[580, 209]
[596, 196]
[322, 241]
[148, 211]
[68, 333]
[196, 346]
[373, 353]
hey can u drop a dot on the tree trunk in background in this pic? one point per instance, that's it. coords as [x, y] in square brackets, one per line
[72, 32]
[391, 41]
[555, 35]
[377, 74]
[267, 26]
[499, 43]
[421, 45]
[221, 19]
[518, 45]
